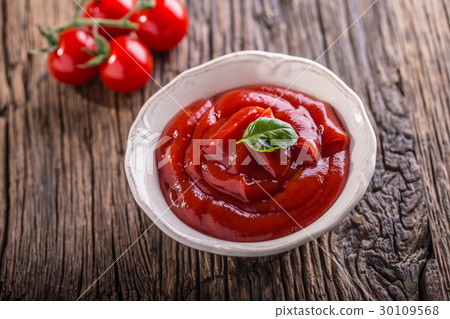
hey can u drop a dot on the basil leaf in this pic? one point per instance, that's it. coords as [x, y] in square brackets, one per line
[269, 134]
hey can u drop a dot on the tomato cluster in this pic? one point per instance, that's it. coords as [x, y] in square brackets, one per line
[120, 54]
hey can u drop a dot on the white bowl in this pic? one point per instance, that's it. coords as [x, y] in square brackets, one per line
[233, 71]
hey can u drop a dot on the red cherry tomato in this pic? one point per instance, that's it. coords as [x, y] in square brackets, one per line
[128, 66]
[162, 27]
[109, 9]
[65, 63]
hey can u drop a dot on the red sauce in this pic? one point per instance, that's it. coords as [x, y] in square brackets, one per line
[237, 197]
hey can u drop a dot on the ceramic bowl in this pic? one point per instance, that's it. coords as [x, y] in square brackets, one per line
[233, 71]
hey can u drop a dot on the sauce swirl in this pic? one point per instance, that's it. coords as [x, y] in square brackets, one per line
[243, 195]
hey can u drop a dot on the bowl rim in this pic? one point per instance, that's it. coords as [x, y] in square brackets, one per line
[249, 249]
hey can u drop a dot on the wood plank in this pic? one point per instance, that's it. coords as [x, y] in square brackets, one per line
[20, 255]
[45, 236]
[431, 122]
[3, 185]
[5, 98]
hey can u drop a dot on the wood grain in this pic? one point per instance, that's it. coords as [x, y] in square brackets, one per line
[66, 213]
[3, 186]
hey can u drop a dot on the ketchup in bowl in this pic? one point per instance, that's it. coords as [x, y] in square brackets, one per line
[230, 191]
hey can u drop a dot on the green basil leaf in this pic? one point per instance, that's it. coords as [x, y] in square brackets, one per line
[269, 134]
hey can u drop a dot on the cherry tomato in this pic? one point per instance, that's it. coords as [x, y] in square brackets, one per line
[128, 66]
[162, 27]
[65, 63]
[109, 9]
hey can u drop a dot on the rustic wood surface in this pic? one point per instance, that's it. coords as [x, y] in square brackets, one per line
[66, 212]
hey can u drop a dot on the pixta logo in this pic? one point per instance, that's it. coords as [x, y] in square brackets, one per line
[146, 141]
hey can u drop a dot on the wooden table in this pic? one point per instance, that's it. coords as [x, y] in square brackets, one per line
[66, 212]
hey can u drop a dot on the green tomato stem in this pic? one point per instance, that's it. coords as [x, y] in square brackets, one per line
[122, 23]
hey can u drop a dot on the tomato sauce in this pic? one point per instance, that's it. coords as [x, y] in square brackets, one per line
[234, 193]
